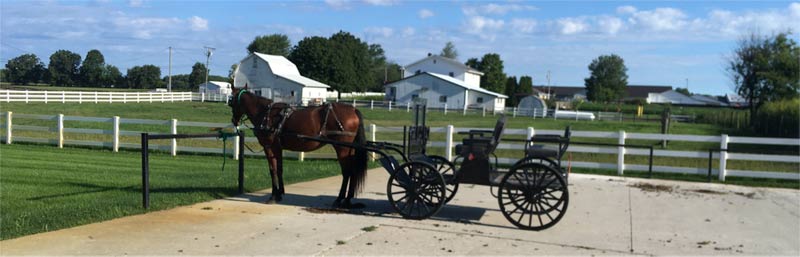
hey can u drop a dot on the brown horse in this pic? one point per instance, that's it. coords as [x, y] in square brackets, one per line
[277, 127]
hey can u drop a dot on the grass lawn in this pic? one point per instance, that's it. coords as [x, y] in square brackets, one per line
[45, 188]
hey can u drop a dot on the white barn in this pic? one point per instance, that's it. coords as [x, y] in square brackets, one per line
[276, 78]
[672, 97]
[215, 87]
[444, 82]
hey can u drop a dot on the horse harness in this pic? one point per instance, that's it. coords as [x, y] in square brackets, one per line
[267, 120]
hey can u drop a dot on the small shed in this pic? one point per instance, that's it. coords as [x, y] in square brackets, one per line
[531, 105]
[215, 87]
[277, 78]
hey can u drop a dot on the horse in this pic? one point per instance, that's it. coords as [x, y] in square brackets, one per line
[278, 126]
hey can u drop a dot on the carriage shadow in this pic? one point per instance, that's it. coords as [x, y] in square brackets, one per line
[374, 207]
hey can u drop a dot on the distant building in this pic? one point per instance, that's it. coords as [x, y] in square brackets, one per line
[571, 93]
[215, 87]
[276, 78]
[736, 100]
[672, 97]
[444, 82]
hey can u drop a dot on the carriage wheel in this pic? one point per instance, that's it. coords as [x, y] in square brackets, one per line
[416, 190]
[533, 196]
[448, 171]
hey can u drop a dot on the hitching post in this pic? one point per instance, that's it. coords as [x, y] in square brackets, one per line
[8, 128]
[115, 142]
[145, 172]
[60, 128]
[621, 153]
[241, 162]
[174, 130]
[448, 143]
[723, 157]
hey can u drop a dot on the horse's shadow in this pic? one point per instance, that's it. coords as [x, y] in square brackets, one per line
[374, 207]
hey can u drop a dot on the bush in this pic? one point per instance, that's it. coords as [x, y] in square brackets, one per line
[779, 119]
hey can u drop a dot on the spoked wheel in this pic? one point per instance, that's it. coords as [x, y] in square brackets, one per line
[416, 190]
[448, 171]
[533, 196]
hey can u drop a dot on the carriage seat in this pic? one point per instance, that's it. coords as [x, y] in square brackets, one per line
[555, 150]
[481, 142]
[542, 151]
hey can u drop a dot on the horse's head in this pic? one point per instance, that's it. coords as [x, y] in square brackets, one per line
[236, 103]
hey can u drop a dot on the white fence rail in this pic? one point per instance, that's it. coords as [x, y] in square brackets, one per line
[113, 129]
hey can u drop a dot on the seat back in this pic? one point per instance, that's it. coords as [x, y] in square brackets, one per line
[499, 127]
[565, 144]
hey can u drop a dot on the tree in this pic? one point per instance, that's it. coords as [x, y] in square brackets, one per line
[275, 44]
[493, 77]
[232, 71]
[684, 91]
[111, 77]
[63, 68]
[91, 70]
[198, 75]
[525, 85]
[511, 91]
[765, 69]
[608, 79]
[312, 57]
[350, 62]
[449, 51]
[473, 63]
[24, 69]
[146, 76]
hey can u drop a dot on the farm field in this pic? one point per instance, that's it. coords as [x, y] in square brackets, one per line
[45, 188]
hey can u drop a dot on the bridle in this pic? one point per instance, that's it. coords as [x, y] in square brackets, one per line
[238, 103]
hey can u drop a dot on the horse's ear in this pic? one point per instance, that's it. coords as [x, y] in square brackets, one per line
[245, 86]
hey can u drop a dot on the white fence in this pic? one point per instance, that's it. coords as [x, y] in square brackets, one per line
[448, 144]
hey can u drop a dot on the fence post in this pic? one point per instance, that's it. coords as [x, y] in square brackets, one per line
[115, 143]
[174, 130]
[555, 111]
[45, 96]
[80, 97]
[124, 97]
[371, 104]
[60, 128]
[26, 96]
[464, 113]
[301, 156]
[202, 97]
[354, 102]
[390, 106]
[534, 113]
[514, 112]
[448, 143]
[138, 96]
[408, 106]
[63, 97]
[529, 134]
[483, 112]
[723, 157]
[236, 146]
[445, 109]
[8, 128]
[621, 154]
[373, 129]
[8, 96]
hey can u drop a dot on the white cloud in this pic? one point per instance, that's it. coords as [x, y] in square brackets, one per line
[425, 13]
[379, 31]
[478, 24]
[659, 19]
[569, 26]
[524, 25]
[609, 25]
[496, 9]
[135, 3]
[198, 24]
[794, 9]
[381, 2]
[408, 31]
[626, 9]
[338, 4]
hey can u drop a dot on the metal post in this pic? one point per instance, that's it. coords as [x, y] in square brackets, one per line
[373, 129]
[145, 172]
[241, 161]
[174, 130]
[723, 157]
[236, 146]
[621, 153]
[115, 142]
[650, 168]
[710, 158]
[8, 128]
[448, 143]
[60, 128]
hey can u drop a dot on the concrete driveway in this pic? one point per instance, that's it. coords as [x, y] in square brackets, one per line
[606, 216]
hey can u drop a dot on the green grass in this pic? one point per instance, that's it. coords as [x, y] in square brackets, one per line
[42, 87]
[45, 188]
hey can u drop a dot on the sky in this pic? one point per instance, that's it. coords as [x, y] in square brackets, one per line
[676, 43]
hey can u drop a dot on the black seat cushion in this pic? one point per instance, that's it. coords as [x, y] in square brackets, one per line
[542, 151]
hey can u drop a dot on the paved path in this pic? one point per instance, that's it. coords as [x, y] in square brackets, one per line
[606, 216]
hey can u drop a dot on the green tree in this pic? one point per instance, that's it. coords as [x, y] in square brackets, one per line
[111, 77]
[608, 79]
[473, 63]
[275, 44]
[63, 68]
[511, 91]
[146, 76]
[312, 58]
[765, 69]
[684, 91]
[232, 71]
[198, 75]
[449, 51]
[24, 69]
[91, 71]
[525, 85]
[493, 77]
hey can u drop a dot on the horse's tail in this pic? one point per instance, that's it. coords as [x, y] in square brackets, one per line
[360, 166]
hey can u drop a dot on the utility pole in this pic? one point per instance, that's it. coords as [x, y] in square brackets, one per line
[169, 81]
[687, 84]
[209, 52]
[548, 84]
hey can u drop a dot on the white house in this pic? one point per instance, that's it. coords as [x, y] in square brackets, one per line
[215, 87]
[444, 82]
[276, 78]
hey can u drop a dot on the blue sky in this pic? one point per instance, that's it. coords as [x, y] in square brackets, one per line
[663, 43]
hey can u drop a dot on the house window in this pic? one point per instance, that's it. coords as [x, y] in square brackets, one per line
[452, 74]
[292, 92]
[443, 99]
[479, 100]
[414, 96]
[255, 63]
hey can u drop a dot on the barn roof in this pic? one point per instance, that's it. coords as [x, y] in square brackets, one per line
[282, 67]
[449, 60]
[453, 81]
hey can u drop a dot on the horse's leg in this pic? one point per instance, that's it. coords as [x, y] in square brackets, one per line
[279, 161]
[347, 161]
[341, 155]
[273, 174]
